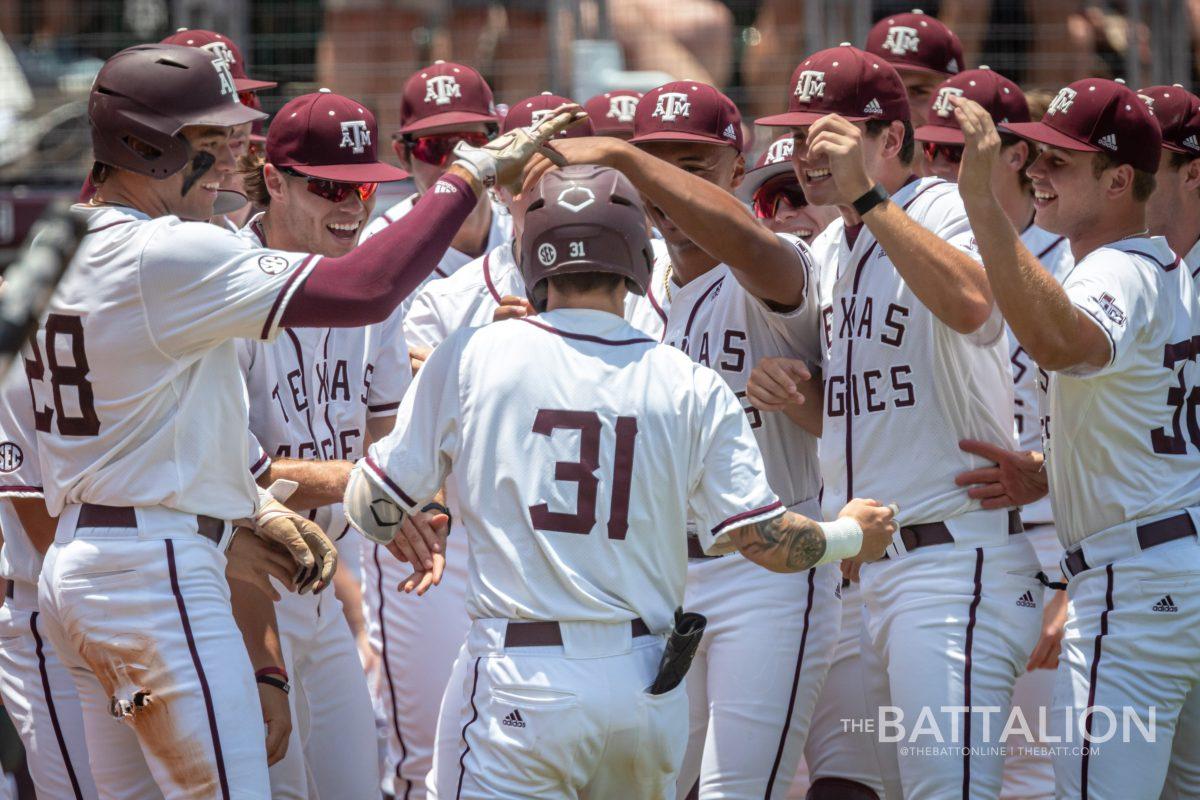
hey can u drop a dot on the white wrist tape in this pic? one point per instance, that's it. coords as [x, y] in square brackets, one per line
[843, 539]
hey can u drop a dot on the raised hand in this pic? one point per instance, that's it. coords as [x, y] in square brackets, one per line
[981, 147]
[501, 162]
[841, 143]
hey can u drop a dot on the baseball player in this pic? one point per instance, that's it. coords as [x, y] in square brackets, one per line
[444, 104]
[775, 196]
[1028, 771]
[916, 359]
[316, 396]
[612, 112]
[1117, 341]
[737, 293]
[1173, 211]
[925, 52]
[141, 419]
[412, 680]
[38, 692]
[576, 556]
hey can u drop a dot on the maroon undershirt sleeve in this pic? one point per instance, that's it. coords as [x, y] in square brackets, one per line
[368, 283]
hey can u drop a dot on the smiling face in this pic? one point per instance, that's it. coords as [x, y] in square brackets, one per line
[814, 174]
[197, 203]
[716, 163]
[805, 221]
[315, 224]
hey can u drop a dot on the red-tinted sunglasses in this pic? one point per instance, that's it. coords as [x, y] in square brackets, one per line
[784, 187]
[335, 191]
[951, 152]
[436, 148]
[250, 100]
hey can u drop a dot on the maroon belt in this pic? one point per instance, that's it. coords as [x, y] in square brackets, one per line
[927, 534]
[1149, 535]
[694, 548]
[92, 515]
[549, 634]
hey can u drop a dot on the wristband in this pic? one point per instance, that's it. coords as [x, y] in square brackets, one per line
[843, 539]
[278, 683]
[441, 509]
[871, 198]
[271, 671]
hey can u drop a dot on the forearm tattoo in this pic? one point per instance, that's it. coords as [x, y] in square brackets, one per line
[787, 543]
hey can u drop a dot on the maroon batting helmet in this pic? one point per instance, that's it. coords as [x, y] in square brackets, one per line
[145, 95]
[584, 218]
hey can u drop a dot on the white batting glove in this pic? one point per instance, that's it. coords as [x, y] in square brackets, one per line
[502, 161]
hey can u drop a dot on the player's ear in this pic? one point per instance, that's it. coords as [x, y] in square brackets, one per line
[273, 180]
[1118, 180]
[1191, 175]
[1016, 155]
[739, 171]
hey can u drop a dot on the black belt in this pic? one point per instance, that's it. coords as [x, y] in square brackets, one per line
[97, 516]
[1149, 535]
[928, 534]
[694, 548]
[549, 634]
[8, 589]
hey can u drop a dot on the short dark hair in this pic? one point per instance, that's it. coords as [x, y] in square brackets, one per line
[581, 282]
[1143, 182]
[908, 147]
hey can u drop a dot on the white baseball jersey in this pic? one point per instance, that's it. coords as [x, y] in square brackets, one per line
[1054, 252]
[721, 325]
[469, 298]
[1192, 259]
[902, 388]
[1123, 441]
[579, 448]
[139, 400]
[312, 390]
[20, 476]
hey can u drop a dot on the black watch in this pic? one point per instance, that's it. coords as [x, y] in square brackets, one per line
[871, 198]
[441, 509]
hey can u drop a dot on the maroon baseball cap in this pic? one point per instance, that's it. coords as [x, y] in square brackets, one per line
[999, 96]
[916, 42]
[445, 94]
[326, 135]
[1098, 116]
[612, 113]
[687, 111]
[220, 45]
[776, 160]
[1178, 113]
[537, 109]
[843, 80]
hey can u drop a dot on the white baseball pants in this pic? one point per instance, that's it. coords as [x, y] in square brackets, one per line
[417, 639]
[1132, 648]
[757, 675]
[144, 620]
[558, 721]
[947, 627]
[41, 700]
[332, 751]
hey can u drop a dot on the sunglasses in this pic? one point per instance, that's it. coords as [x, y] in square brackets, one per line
[436, 148]
[250, 100]
[785, 187]
[335, 191]
[951, 152]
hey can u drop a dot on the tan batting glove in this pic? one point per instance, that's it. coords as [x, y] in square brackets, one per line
[501, 162]
[310, 548]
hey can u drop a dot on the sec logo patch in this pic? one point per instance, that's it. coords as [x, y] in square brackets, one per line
[11, 456]
[547, 254]
[272, 265]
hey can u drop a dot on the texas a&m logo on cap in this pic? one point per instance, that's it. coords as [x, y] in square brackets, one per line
[810, 84]
[779, 151]
[1062, 101]
[220, 50]
[671, 106]
[441, 90]
[901, 40]
[355, 135]
[942, 103]
[227, 86]
[621, 108]
[538, 116]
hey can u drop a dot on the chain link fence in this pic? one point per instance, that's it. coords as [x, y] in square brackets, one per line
[365, 48]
